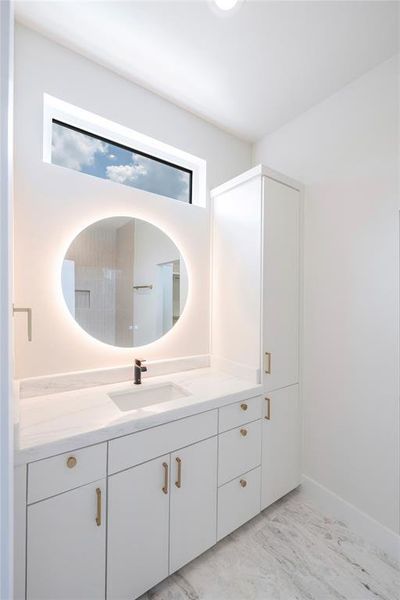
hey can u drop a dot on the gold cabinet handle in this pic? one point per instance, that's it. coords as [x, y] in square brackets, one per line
[243, 432]
[267, 363]
[243, 482]
[165, 486]
[29, 317]
[268, 411]
[71, 462]
[178, 481]
[98, 515]
[244, 406]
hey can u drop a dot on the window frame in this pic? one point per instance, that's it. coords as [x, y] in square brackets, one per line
[96, 136]
[102, 127]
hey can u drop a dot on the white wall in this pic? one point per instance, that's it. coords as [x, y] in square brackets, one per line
[6, 404]
[53, 204]
[346, 152]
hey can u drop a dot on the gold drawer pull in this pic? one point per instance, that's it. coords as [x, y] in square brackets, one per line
[98, 515]
[71, 462]
[243, 432]
[267, 363]
[165, 486]
[243, 482]
[178, 481]
[244, 406]
[268, 412]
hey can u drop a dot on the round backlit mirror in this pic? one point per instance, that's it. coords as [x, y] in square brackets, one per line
[124, 281]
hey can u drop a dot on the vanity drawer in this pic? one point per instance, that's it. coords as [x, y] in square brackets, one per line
[239, 413]
[239, 451]
[63, 472]
[238, 502]
[131, 450]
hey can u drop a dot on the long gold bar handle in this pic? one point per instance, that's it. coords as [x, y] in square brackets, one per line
[29, 317]
[268, 412]
[267, 363]
[165, 486]
[98, 516]
[178, 481]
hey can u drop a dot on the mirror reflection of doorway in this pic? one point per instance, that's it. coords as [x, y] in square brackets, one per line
[169, 306]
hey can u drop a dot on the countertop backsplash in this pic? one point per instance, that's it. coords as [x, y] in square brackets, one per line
[65, 382]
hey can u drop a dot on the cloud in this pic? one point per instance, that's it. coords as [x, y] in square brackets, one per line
[126, 174]
[152, 176]
[74, 149]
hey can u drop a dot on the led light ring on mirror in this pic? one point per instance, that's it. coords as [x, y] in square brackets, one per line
[102, 251]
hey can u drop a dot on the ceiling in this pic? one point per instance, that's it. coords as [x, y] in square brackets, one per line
[249, 70]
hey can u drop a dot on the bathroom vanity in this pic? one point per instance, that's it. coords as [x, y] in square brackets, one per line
[135, 499]
[119, 485]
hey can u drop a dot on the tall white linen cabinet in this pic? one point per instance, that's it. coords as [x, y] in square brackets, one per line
[256, 302]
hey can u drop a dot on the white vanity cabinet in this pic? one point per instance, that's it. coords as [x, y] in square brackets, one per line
[161, 512]
[110, 521]
[161, 515]
[138, 528]
[256, 308]
[280, 339]
[239, 451]
[238, 501]
[66, 554]
[281, 444]
[239, 460]
[280, 284]
[65, 525]
[193, 512]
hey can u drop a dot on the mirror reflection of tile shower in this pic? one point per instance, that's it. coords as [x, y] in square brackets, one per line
[124, 281]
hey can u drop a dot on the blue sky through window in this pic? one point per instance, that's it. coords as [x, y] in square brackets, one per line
[93, 156]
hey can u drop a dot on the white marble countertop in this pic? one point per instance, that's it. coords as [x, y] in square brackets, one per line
[63, 422]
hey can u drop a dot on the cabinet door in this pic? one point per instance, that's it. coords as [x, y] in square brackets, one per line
[138, 528]
[280, 445]
[236, 274]
[66, 545]
[193, 515]
[280, 285]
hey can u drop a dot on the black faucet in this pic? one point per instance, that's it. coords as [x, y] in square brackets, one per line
[139, 369]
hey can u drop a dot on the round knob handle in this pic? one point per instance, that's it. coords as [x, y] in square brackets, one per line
[244, 406]
[243, 482]
[243, 432]
[71, 462]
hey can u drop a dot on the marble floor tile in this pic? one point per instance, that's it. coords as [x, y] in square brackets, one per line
[288, 552]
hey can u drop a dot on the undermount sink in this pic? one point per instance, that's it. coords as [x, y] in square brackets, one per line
[140, 397]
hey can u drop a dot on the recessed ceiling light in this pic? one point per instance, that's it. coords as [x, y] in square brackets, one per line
[226, 4]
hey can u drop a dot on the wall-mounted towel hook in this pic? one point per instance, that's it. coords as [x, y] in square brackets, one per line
[29, 318]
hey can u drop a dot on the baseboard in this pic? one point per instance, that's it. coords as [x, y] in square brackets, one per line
[362, 524]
